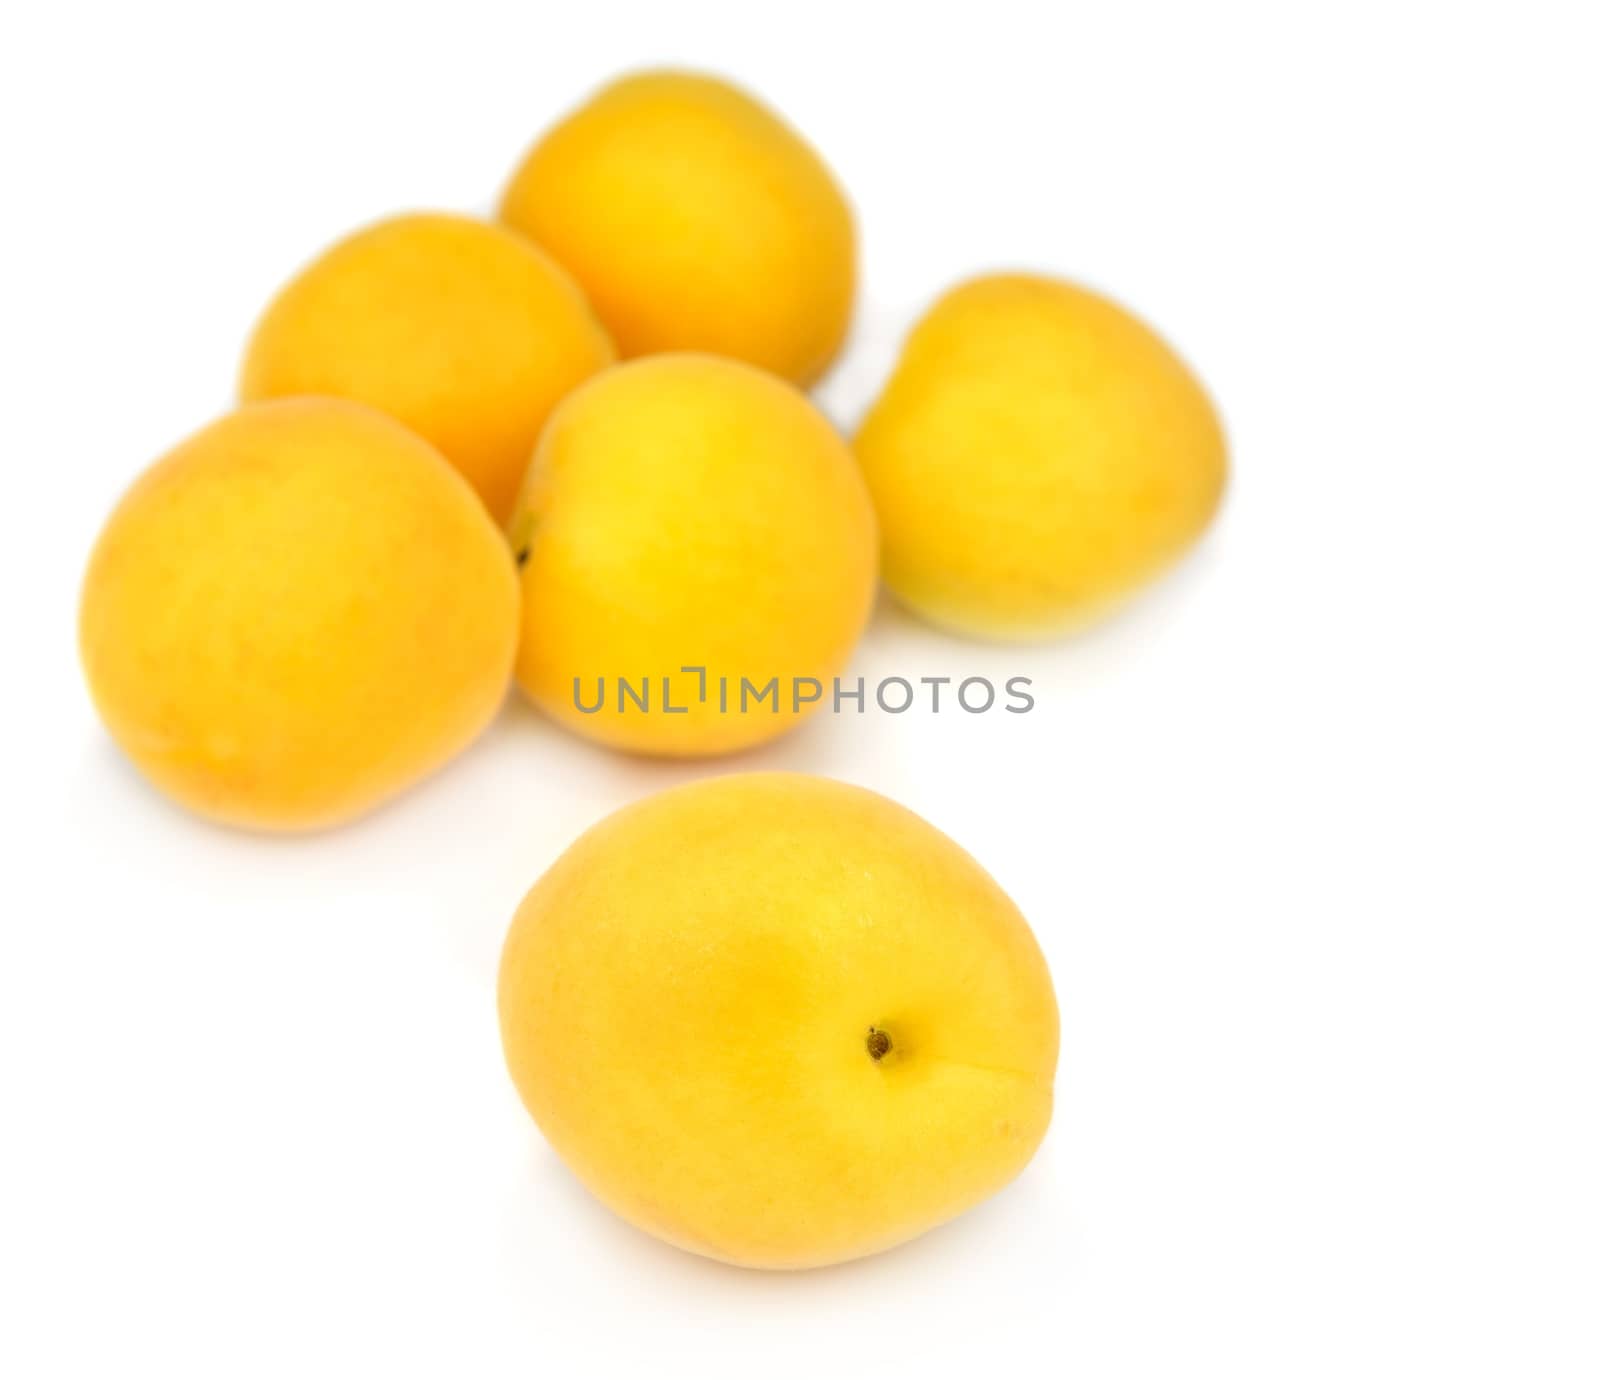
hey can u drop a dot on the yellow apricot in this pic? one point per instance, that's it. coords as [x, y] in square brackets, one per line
[458, 328]
[295, 614]
[1037, 456]
[778, 1020]
[685, 511]
[695, 219]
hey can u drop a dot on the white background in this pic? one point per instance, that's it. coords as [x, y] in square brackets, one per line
[1308, 834]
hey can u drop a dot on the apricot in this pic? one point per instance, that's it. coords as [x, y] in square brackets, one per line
[295, 614]
[698, 558]
[1038, 455]
[778, 1020]
[695, 219]
[460, 329]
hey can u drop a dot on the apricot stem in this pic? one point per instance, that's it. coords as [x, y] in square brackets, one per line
[878, 1042]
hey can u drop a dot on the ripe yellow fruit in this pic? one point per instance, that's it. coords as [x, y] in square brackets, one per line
[1038, 455]
[778, 1020]
[297, 613]
[460, 329]
[683, 512]
[695, 219]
